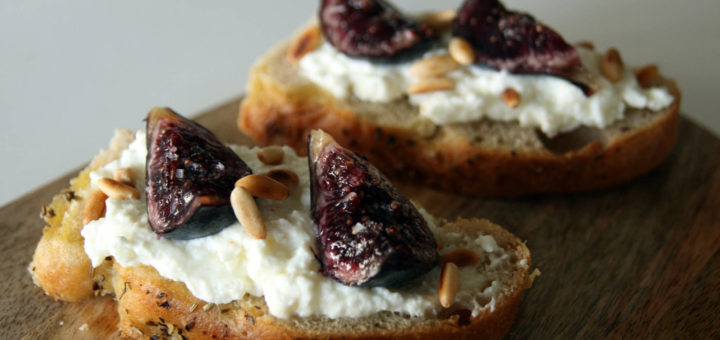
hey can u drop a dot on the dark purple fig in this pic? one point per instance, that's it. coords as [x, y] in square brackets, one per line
[512, 41]
[373, 29]
[189, 177]
[368, 233]
[516, 42]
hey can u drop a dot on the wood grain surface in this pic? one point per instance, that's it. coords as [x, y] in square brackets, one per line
[638, 261]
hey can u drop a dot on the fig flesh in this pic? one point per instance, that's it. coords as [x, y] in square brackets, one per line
[373, 29]
[516, 42]
[189, 177]
[368, 233]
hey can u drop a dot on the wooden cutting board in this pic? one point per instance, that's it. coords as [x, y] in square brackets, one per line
[639, 261]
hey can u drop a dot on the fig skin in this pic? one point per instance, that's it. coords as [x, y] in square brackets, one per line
[189, 177]
[373, 29]
[368, 234]
[513, 41]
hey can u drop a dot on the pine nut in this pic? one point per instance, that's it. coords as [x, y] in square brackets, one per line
[170, 329]
[586, 44]
[286, 177]
[94, 207]
[431, 84]
[306, 42]
[117, 190]
[247, 212]
[611, 65]
[124, 175]
[647, 75]
[510, 97]
[461, 50]
[433, 66]
[441, 19]
[271, 155]
[264, 186]
[449, 284]
[460, 257]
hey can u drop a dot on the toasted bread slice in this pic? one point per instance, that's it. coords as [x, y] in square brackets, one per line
[151, 305]
[60, 265]
[486, 157]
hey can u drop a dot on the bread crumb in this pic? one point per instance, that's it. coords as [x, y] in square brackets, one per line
[83, 328]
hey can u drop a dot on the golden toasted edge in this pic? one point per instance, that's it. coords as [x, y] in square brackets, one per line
[152, 305]
[60, 265]
[275, 112]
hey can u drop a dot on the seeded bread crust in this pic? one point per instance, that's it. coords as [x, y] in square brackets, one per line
[59, 264]
[150, 305]
[485, 158]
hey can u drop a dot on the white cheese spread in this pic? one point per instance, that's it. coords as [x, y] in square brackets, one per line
[223, 267]
[552, 104]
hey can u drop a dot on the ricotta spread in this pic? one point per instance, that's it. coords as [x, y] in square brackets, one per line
[552, 104]
[225, 266]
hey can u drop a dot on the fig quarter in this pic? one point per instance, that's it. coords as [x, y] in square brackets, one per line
[189, 175]
[368, 233]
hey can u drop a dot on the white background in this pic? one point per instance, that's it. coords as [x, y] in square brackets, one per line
[72, 71]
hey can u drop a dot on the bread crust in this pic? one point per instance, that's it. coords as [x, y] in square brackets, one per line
[281, 107]
[151, 305]
[59, 264]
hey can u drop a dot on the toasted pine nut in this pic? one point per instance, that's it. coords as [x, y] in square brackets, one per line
[586, 44]
[124, 175]
[510, 97]
[461, 50]
[460, 257]
[117, 190]
[449, 284]
[94, 207]
[271, 155]
[433, 66]
[306, 42]
[441, 19]
[647, 75]
[611, 65]
[171, 331]
[286, 177]
[264, 186]
[247, 212]
[431, 84]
